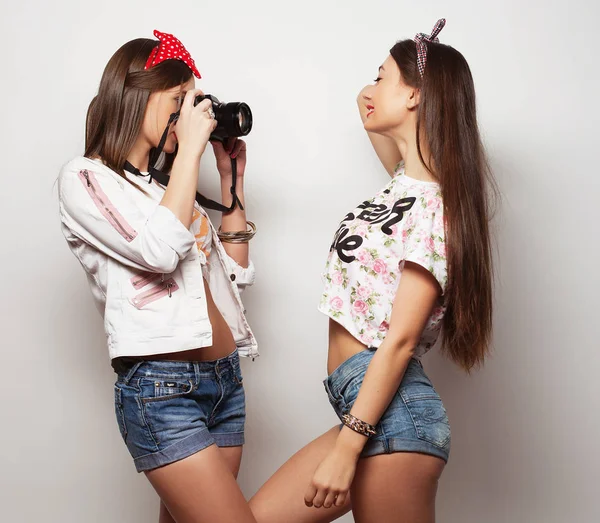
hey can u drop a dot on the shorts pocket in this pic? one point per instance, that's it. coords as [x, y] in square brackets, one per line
[343, 399]
[160, 389]
[429, 417]
[332, 398]
[349, 392]
[119, 413]
[237, 372]
[344, 383]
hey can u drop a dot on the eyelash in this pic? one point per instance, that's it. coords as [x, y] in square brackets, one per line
[377, 79]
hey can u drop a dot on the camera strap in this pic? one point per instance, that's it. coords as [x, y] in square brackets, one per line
[163, 178]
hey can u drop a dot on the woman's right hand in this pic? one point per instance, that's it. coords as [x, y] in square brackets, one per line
[194, 126]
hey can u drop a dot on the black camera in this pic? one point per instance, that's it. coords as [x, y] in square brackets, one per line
[233, 119]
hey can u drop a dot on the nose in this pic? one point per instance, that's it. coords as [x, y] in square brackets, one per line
[366, 93]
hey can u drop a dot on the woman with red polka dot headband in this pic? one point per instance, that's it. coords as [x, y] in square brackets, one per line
[165, 281]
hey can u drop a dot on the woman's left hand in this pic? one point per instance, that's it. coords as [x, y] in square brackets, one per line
[224, 152]
[332, 480]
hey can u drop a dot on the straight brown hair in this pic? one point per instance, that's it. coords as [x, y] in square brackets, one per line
[116, 114]
[447, 126]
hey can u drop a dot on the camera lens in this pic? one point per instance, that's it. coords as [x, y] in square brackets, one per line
[235, 118]
[244, 119]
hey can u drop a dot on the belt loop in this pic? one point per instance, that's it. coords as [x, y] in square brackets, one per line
[196, 372]
[132, 372]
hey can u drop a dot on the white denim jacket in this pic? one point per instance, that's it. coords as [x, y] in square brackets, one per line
[143, 266]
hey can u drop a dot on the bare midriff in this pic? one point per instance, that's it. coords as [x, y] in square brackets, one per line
[223, 343]
[342, 346]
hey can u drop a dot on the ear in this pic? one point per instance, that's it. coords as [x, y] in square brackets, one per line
[413, 99]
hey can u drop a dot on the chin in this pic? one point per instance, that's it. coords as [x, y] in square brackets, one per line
[386, 128]
[372, 127]
[170, 148]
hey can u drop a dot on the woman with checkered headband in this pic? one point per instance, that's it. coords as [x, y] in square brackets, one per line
[408, 268]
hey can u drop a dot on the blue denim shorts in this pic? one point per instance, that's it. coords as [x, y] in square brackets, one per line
[168, 410]
[415, 421]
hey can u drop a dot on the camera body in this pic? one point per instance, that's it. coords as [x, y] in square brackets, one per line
[234, 119]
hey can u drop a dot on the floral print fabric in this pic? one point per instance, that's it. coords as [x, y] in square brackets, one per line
[402, 222]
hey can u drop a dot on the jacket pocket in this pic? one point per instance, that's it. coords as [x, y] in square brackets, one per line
[143, 279]
[106, 208]
[166, 288]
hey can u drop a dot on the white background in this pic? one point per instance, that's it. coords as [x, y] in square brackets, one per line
[525, 429]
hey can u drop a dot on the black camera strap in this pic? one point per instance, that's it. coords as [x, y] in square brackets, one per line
[163, 178]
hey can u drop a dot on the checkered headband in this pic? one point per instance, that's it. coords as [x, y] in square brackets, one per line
[421, 40]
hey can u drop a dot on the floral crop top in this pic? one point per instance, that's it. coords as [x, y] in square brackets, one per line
[402, 222]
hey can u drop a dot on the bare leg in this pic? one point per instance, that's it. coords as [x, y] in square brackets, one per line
[281, 498]
[396, 488]
[164, 515]
[201, 488]
[233, 458]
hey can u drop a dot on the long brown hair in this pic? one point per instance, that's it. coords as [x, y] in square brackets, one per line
[116, 114]
[447, 127]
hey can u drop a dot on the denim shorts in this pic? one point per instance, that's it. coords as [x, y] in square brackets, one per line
[168, 410]
[415, 420]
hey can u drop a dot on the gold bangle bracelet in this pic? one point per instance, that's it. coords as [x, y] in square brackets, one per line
[237, 236]
[235, 240]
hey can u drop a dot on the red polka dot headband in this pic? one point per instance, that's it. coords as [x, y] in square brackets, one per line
[421, 40]
[170, 48]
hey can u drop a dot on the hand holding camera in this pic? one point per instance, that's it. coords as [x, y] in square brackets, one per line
[194, 124]
[228, 150]
[234, 119]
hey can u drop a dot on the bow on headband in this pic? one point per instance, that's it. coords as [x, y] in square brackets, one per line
[170, 48]
[421, 40]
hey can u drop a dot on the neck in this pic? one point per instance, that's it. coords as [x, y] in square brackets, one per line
[139, 154]
[413, 167]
